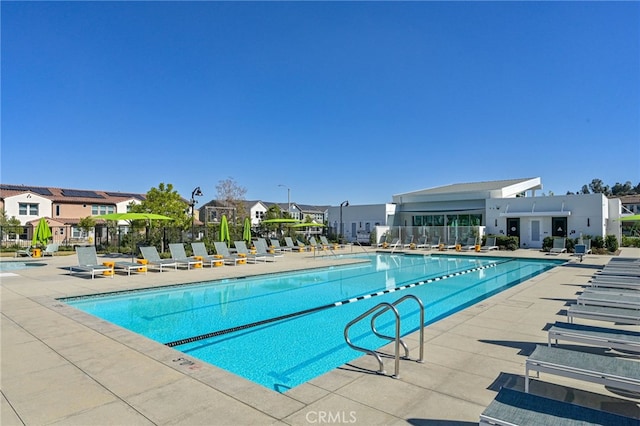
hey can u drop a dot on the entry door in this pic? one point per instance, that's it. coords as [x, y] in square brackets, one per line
[535, 231]
[513, 227]
[559, 226]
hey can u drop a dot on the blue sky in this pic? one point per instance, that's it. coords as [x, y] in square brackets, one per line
[335, 100]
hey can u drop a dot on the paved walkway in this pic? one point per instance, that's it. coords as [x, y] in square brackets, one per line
[60, 366]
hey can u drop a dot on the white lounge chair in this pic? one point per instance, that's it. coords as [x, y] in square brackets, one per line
[603, 313]
[128, 267]
[154, 260]
[297, 246]
[275, 243]
[408, 240]
[88, 263]
[422, 242]
[263, 250]
[50, 250]
[559, 245]
[24, 252]
[227, 256]
[513, 407]
[243, 251]
[435, 243]
[180, 256]
[490, 244]
[606, 370]
[612, 299]
[626, 340]
[470, 244]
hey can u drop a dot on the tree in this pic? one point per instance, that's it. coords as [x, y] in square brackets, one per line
[9, 226]
[86, 224]
[622, 189]
[598, 187]
[231, 195]
[166, 201]
[585, 189]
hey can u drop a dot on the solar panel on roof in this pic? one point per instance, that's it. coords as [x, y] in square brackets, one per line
[124, 194]
[41, 191]
[80, 194]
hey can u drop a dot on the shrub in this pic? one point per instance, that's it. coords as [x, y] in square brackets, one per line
[508, 243]
[597, 242]
[630, 241]
[612, 243]
[547, 243]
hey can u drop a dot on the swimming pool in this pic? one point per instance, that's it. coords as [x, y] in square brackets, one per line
[234, 317]
[15, 265]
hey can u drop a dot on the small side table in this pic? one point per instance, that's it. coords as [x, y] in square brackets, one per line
[142, 262]
[111, 265]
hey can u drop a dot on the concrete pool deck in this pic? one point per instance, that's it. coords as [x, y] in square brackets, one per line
[61, 366]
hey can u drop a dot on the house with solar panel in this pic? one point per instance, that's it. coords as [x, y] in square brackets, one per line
[62, 207]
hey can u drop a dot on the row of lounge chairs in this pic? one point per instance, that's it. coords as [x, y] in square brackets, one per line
[435, 243]
[88, 260]
[619, 305]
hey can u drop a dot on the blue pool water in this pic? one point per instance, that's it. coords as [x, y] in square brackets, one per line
[285, 353]
[15, 265]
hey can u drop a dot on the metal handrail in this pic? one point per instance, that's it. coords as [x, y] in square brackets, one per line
[396, 303]
[386, 306]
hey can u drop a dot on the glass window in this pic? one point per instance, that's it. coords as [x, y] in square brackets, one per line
[26, 209]
[97, 209]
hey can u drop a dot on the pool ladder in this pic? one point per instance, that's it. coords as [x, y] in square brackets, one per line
[378, 310]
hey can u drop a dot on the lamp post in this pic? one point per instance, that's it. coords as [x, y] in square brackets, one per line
[288, 197]
[342, 204]
[195, 193]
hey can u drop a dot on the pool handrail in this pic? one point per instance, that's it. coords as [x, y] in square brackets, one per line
[386, 306]
[396, 303]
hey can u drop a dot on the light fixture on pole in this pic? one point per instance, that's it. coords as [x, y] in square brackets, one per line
[195, 193]
[342, 204]
[288, 197]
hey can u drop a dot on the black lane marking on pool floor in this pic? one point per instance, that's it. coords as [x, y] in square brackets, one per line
[320, 308]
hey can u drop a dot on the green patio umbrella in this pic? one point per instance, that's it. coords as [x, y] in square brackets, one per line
[130, 217]
[280, 220]
[42, 233]
[308, 225]
[246, 233]
[633, 218]
[224, 230]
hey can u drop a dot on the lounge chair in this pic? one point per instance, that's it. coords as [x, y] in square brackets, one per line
[612, 299]
[154, 261]
[243, 251]
[452, 246]
[180, 256]
[606, 370]
[315, 245]
[580, 250]
[227, 256]
[470, 244]
[275, 243]
[88, 263]
[326, 242]
[294, 247]
[50, 250]
[200, 250]
[24, 252]
[586, 243]
[383, 241]
[263, 250]
[512, 407]
[408, 240]
[129, 266]
[630, 284]
[422, 242]
[626, 340]
[603, 313]
[559, 245]
[490, 244]
[435, 243]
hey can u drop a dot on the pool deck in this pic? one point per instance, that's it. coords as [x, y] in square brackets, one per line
[61, 366]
